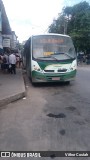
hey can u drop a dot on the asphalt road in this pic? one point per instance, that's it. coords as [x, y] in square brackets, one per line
[52, 117]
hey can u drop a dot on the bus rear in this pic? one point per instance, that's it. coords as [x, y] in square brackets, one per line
[53, 58]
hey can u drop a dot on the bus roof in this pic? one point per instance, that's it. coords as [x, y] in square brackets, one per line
[48, 34]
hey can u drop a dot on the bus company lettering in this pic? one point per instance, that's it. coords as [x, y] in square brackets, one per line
[57, 66]
[33, 155]
[70, 154]
[81, 154]
[76, 154]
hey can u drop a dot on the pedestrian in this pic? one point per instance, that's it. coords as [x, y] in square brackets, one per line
[21, 62]
[12, 63]
[7, 61]
[0, 61]
[17, 61]
[4, 63]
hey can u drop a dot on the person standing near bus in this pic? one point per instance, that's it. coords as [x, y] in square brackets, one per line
[12, 63]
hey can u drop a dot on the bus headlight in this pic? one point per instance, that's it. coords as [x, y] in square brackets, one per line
[73, 65]
[36, 67]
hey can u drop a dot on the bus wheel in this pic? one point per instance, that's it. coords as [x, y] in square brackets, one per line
[30, 79]
[33, 83]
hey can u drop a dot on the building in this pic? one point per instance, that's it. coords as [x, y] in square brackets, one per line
[14, 41]
[8, 38]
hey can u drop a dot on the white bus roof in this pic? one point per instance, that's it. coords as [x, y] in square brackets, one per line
[55, 34]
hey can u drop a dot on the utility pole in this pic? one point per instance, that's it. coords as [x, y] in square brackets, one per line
[65, 25]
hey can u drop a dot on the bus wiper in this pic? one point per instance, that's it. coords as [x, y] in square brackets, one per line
[69, 55]
[49, 57]
[59, 53]
[42, 57]
[53, 57]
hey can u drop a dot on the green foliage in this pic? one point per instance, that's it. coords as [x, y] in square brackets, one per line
[75, 21]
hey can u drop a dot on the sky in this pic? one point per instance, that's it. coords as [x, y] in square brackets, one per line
[27, 17]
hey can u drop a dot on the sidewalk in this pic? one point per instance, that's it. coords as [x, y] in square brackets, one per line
[12, 87]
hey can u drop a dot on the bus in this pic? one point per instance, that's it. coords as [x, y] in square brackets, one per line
[50, 58]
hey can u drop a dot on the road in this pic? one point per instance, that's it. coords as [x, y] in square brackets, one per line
[52, 117]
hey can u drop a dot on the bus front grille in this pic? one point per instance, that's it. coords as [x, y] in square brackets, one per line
[49, 70]
[62, 70]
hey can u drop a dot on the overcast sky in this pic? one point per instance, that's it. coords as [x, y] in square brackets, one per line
[28, 17]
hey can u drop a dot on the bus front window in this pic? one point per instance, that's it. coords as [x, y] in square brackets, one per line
[49, 47]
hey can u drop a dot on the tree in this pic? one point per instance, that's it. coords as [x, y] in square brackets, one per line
[59, 25]
[76, 23]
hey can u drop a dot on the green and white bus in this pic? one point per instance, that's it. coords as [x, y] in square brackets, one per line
[50, 58]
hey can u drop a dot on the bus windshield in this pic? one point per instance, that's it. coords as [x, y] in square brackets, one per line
[53, 47]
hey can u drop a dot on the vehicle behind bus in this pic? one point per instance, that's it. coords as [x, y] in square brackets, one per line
[50, 58]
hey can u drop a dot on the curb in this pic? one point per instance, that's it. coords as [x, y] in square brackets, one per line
[12, 98]
[18, 94]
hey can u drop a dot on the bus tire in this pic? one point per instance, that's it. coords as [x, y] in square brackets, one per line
[33, 83]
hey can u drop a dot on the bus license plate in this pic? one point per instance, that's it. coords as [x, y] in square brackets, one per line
[56, 78]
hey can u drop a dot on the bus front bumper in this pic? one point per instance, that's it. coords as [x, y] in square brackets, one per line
[49, 77]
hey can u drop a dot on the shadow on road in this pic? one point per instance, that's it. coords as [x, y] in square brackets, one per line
[54, 84]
